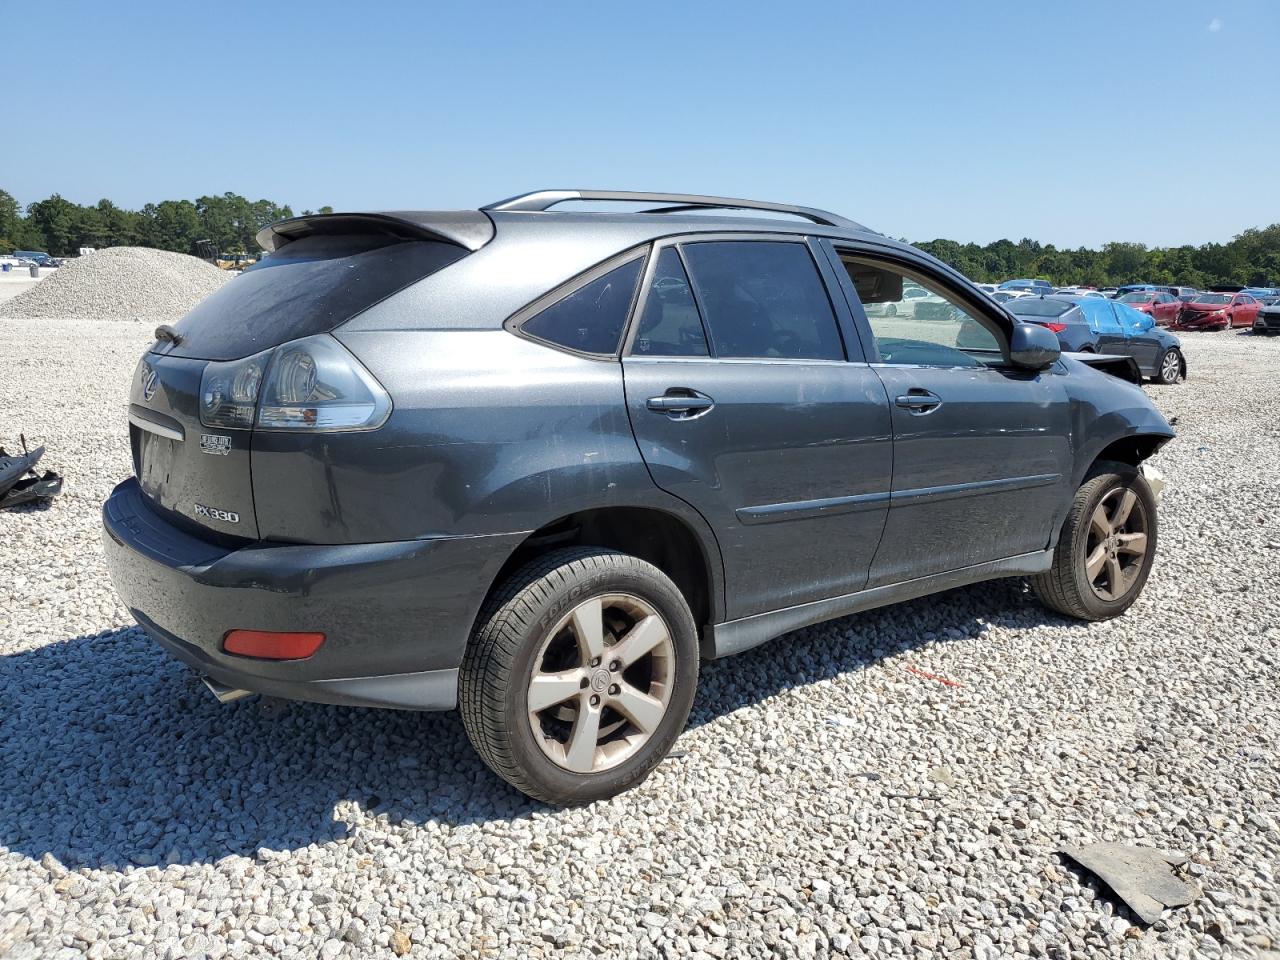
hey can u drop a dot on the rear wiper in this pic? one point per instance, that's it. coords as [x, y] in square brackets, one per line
[166, 332]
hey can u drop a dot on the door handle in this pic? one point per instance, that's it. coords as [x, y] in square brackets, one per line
[681, 403]
[919, 401]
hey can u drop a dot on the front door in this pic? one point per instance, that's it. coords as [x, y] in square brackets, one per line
[744, 405]
[981, 452]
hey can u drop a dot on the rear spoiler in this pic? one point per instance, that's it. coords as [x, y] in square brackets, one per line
[1126, 368]
[465, 228]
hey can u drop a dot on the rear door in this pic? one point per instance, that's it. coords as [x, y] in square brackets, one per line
[1111, 335]
[1138, 342]
[981, 453]
[745, 406]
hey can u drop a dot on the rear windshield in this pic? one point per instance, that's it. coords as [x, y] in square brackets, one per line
[1034, 307]
[309, 286]
[1137, 297]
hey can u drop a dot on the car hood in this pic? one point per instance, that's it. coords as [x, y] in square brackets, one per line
[1206, 307]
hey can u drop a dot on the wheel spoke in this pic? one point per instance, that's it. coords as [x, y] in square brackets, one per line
[1093, 565]
[1127, 500]
[1115, 577]
[640, 708]
[580, 751]
[548, 689]
[1135, 543]
[588, 627]
[1099, 522]
[639, 640]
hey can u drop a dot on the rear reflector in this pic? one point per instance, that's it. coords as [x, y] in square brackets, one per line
[268, 645]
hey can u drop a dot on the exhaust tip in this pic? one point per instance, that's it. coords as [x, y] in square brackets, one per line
[224, 693]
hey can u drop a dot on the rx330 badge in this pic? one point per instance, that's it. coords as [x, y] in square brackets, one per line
[215, 444]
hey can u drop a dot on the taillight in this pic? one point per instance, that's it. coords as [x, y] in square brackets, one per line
[229, 391]
[313, 384]
[1055, 327]
[272, 645]
[316, 384]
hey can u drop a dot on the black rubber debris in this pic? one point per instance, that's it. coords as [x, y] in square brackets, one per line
[19, 481]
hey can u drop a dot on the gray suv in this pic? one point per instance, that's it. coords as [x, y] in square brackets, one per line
[537, 464]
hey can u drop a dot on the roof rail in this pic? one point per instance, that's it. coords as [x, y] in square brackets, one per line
[542, 200]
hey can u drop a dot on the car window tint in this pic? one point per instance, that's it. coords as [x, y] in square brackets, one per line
[592, 317]
[931, 329]
[763, 299]
[670, 325]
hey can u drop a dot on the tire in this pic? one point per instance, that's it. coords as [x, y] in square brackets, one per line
[604, 725]
[1169, 370]
[1067, 586]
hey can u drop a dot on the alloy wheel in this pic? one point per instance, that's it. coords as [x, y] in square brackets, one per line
[601, 683]
[1169, 368]
[1117, 543]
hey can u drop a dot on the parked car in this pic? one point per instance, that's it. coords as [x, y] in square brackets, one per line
[1003, 296]
[1185, 294]
[1080, 292]
[1163, 307]
[1028, 286]
[915, 303]
[1109, 292]
[1134, 288]
[1218, 311]
[987, 288]
[1267, 320]
[501, 461]
[1098, 325]
[38, 257]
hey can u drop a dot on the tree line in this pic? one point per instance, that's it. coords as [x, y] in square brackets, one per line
[59, 227]
[230, 221]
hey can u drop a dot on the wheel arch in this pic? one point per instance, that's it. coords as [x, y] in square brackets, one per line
[672, 543]
[1132, 449]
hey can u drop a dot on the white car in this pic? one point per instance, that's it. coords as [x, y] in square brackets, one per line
[1000, 296]
[916, 303]
[1080, 292]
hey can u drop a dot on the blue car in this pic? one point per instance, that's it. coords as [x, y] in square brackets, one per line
[1094, 325]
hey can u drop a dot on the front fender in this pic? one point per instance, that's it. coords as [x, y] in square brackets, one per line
[1104, 410]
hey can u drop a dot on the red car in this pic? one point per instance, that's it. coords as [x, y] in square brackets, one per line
[1163, 307]
[1214, 311]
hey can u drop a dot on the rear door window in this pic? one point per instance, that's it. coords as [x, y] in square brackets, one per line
[670, 325]
[763, 299]
[591, 318]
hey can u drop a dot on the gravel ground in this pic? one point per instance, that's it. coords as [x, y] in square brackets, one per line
[825, 800]
[119, 282]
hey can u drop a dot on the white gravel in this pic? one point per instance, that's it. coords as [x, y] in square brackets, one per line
[120, 282]
[829, 801]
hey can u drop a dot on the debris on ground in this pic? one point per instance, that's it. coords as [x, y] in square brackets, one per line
[127, 283]
[19, 482]
[1140, 876]
[933, 676]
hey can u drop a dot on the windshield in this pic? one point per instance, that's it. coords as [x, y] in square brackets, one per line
[1137, 298]
[1035, 307]
[1213, 298]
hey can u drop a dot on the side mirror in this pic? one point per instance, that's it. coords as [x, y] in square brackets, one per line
[1033, 346]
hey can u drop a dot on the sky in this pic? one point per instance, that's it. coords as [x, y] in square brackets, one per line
[1071, 123]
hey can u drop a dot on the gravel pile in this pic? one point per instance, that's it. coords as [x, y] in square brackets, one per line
[826, 800]
[120, 283]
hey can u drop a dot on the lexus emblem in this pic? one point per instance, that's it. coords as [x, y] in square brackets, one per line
[149, 381]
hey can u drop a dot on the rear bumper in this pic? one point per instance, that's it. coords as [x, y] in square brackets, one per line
[396, 616]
